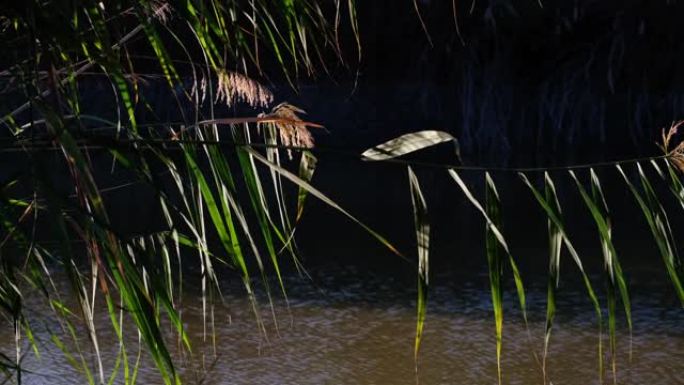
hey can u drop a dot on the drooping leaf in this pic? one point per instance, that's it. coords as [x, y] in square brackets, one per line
[318, 194]
[672, 179]
[307, 166]
[422, 226]
[495, 245]
[657, 220]
[558, 238]
[596, 203]
[409, 143]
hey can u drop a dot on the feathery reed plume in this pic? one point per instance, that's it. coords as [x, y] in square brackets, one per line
[161, 10]
[235, 87]
[292, 133]
[676, 155]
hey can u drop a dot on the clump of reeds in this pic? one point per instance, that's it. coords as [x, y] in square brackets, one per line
[497, 251]
[51, 45]
[139, 277]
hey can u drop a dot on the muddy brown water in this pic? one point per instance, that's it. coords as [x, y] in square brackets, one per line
[351, 326]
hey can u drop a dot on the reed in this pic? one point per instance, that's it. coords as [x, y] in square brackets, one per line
[496, 246]
[201, 190]
[212, 57]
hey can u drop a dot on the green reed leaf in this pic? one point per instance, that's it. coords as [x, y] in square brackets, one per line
[422, 225]
[657, 220]
[596, 203]
[495, 244]
[558, 238]
[409, 143]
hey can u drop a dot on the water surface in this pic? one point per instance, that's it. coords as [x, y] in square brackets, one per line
[353, 326]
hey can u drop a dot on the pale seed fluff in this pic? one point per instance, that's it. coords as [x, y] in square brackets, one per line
[234, 87]
[292, 131]
[161, 10]
[676, 154]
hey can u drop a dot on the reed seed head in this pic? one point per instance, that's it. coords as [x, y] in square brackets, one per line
[676, 154]
[292, 133]
[235, 87]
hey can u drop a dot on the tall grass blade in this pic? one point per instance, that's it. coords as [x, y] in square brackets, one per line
[318, 194]
[422, 225]
[495, 244]
[558, 238]
[672, 179]
[617, 284]
[656, 217]
[307, 166]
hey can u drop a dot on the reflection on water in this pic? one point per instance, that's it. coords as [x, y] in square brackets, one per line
[353, 327]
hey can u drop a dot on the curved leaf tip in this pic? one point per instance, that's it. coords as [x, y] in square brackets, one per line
[409, 143]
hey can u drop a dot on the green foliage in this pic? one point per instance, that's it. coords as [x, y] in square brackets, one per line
[656, 217]
[422, 225]
[202, 189]
[617, 283]
[49, 49]
[497, 248]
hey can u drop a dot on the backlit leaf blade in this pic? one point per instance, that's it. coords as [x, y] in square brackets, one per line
[408, 143]
[596, 203]
[422, 227]
[495, 245]
[656, 217]
[318, 194]
[557, 238]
